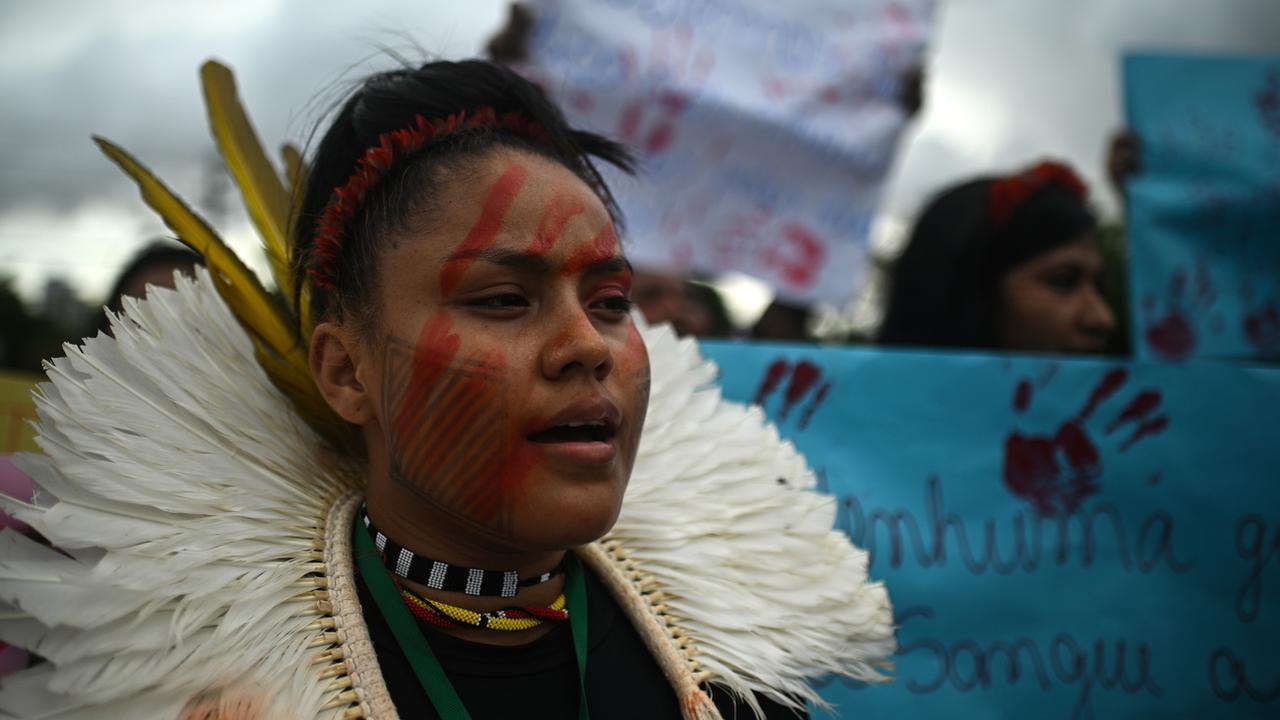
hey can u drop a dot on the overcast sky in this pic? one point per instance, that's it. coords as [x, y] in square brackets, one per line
[1009, 81]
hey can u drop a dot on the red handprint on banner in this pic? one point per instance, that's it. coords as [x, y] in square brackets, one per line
[798, 257]
[1057, 473]
[677, 69]
[806, 382]
[1267, 100]
[1262, 329]
[1172, 335]
[650, 125]
[1260, 323]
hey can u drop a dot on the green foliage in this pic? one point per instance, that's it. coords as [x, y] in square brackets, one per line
[26, 339]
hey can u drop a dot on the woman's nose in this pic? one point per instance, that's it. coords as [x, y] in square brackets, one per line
[576, 346]
[1098, 317]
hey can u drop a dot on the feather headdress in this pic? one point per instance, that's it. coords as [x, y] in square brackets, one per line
[202, 515]
[279, 342]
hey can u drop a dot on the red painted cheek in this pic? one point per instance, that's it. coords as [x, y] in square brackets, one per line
[633, 364]
[453, 441]
[633, 359]
[634, 352]
[431, 356]
[603, 247]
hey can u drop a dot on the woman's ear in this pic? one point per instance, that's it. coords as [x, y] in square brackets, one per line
[335, 359]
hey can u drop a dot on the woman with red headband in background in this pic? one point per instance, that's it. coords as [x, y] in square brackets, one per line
[1012, 263]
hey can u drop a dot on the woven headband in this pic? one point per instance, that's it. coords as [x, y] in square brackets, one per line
[1008, 193]
[377, 161]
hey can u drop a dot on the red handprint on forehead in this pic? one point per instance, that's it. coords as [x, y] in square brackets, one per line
[1057, 473]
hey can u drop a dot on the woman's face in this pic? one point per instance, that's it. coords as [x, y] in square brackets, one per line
[511, 382]
[1052, 302]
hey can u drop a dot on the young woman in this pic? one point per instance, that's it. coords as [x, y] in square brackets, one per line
[493, 367]
[463, 301]
[1012, 263]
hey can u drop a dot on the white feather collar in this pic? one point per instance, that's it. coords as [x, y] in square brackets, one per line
[193, 503]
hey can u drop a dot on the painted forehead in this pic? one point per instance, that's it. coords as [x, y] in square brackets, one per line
[535, 209]
[545, 192]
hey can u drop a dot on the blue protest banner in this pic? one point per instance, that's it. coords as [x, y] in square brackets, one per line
[1204, 212]
[1060, 538]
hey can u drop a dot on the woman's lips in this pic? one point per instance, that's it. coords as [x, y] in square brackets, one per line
[584, 431]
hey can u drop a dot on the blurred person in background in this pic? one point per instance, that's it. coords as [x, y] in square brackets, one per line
[1009, 263]
[783, 321]
[154, 264]
[692, 308]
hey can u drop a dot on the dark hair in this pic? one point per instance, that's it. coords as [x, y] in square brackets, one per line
[391, 101]
[944, 288]
[164, 253]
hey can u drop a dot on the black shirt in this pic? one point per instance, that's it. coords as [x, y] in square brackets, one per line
[540, 679]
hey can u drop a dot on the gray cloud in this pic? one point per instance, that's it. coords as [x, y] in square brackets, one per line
[128, 70]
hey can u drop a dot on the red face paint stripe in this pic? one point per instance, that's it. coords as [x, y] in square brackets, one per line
[602, 247]
[431, 356]
[456, 409]
[485, 231]
[519, 464]
[464, 430]
[471, 470]
[560, 210]
[438, 438]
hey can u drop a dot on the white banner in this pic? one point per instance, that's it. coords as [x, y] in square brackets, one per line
[764, 128]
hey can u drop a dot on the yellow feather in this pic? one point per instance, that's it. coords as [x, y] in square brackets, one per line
[237, 284]
[306, 323]
[278, 349]
[296, 172]
[263, 192]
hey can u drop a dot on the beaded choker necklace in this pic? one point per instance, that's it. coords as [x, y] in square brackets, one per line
[439, 575]
[512, 618]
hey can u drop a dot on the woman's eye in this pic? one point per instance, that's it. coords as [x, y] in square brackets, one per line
[500, 301]
[1064, 281]
[619, 304]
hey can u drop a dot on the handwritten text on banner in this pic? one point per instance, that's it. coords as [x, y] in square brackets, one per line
[764, 129]
[1061, 539]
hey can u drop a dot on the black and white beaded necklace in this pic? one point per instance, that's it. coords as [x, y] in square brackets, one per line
[451, 578]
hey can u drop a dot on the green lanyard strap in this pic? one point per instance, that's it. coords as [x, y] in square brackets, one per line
[425, 666]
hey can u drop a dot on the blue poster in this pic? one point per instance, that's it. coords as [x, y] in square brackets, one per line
[1204, 211]
[1060, 538]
